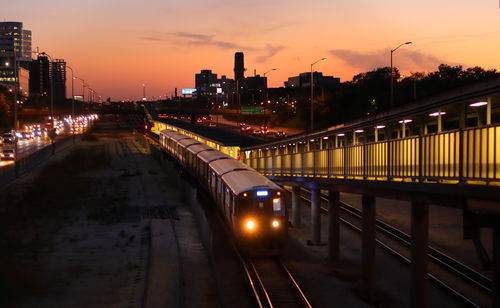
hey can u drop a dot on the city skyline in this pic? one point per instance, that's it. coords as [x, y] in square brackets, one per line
[118, 46]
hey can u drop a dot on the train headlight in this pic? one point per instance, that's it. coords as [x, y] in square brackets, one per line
[250, 225]
[276, 223]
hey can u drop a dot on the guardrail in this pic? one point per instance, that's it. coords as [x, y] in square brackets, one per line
[462, 155]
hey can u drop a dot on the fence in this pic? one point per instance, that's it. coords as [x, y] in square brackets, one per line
[463, 155]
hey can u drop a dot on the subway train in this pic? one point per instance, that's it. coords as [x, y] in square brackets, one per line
[253, 207]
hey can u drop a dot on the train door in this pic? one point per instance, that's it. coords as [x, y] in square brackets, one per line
[227, 203]
[213, 181]
[219, 191]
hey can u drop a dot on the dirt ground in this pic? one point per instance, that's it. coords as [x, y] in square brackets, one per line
[94, 249]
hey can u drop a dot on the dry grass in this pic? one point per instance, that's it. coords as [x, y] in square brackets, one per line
[30, 216]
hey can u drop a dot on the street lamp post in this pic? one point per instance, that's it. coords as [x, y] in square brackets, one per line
[392, 72]
[312, 92]
[267, 93]
[72, 101]
[51, 84]
[16, 80]
[83, 91]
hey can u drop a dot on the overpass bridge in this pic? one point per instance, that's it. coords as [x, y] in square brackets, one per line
[443, 150]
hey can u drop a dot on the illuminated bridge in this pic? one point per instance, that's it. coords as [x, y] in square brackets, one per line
[443, 150]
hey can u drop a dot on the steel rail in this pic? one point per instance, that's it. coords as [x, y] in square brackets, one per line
[434, 278]
[296, 285]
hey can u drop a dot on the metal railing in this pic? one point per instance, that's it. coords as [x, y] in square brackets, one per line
[471, 154]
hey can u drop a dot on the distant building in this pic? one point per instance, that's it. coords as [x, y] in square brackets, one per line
[239, 66]
[40, 77]
[15, 48]
[255, 83]
[205, 83]
[58, 75]
[304, 80]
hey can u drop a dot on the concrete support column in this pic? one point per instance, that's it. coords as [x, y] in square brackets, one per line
[419, 258]
[315, 217]
[296, 207]
[333, 225]
[368, 246]
[488, 112]
[496, 263]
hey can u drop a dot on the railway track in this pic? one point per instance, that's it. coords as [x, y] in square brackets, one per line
[272, 284]
[438, 260]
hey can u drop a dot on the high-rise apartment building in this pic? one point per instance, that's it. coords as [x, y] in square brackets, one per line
[40, 77]
[15, 49]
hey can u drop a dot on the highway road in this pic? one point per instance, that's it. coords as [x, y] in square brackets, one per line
[29, 146]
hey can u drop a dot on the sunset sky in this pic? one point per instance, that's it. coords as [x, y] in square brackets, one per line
[117, 45]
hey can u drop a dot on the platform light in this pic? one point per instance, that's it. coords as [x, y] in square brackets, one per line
[380, 126]
[438, 113]
[325, 138]
[275, 223]
[359, 131]
[404, 121]
[478, 104]
[341, 135]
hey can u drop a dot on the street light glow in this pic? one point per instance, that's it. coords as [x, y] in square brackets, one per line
[438, 113]
[478, 104]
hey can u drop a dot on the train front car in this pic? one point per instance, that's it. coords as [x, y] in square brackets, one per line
[259, 217]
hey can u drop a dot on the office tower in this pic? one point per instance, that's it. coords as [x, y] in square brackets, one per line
[15, 48]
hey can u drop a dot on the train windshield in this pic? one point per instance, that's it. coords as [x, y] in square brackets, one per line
[261, 202]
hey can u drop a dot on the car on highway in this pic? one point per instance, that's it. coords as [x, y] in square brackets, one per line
[26, 135]
[212, 124]
[280, 133]
[7, 154]
[245, 128]
[9, 138]
[264, 130]
[256, 132]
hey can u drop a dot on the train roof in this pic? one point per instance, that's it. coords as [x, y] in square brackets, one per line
[210, 156]
[188, 142]
[224, 166]
[178, 136]
[245, 180]
[197, 148]
[224, 137]
[168, 132]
